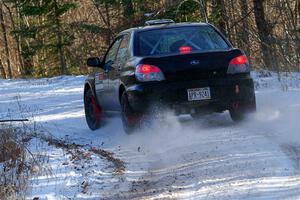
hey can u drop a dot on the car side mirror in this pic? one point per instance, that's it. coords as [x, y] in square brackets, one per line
[94, 62]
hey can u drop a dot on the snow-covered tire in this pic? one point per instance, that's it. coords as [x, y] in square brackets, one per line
[130, 119]
[93, 112]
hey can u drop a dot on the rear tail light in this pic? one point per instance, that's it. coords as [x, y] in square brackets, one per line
[239, 64]
[144, 73]
[185, 49]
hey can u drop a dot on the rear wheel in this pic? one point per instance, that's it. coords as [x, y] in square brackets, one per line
[239, 110]
[237, 115]
[130, 119]
[93, 112]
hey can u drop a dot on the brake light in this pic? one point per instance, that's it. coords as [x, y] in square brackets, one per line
[185, 49]
[146, 73]
[146, 69]
[240, 60]
[238, 64]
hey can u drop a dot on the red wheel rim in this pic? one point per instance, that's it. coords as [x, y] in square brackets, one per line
[132, 119]
[97, 109]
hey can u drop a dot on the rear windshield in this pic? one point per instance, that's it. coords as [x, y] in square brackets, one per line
[179, 40]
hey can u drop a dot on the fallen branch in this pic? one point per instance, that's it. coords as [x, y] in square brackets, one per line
[14, 120]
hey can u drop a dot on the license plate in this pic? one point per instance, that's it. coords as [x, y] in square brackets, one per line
[198, 94]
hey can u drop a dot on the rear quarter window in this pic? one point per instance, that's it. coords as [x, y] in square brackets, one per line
[170, 40]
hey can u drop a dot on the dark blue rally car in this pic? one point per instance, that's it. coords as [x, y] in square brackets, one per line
[190, 68]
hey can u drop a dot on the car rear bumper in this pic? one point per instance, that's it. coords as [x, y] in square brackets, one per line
[224, 92]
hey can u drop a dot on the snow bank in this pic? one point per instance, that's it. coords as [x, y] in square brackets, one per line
[270, 80]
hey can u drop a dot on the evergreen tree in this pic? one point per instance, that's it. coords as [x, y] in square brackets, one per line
[46, 33]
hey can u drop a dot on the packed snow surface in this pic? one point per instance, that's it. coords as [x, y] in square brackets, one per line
[209, 158]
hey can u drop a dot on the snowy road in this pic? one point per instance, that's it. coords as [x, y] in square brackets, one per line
[211, 158]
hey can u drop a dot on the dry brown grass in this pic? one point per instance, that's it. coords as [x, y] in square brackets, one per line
[15, 166]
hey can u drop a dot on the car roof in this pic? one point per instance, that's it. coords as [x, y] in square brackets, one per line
[162, 26]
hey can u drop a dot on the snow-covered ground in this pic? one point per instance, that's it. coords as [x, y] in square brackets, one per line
[211, 158]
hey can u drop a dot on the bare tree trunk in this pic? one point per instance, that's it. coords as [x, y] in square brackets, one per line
[233, 30]
[62, 60]
[16, 37]
[216, 9]
[128, 11]
[296, 25]
[222, 23]
[263, 30]
[168, 3]
[245, 27]
[4, 32]
[297, 9]
[2, 70]
[109, 36]
[105, 20]
[24, 45]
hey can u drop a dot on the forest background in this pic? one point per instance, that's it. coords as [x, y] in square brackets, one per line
[42, 38]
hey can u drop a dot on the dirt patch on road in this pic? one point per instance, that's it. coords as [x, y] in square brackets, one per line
[119, 165]
[77, 152]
